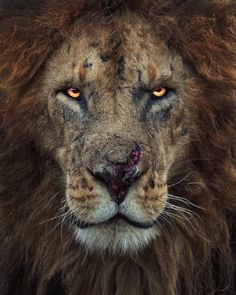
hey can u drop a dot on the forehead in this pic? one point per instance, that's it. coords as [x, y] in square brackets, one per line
[125, 48]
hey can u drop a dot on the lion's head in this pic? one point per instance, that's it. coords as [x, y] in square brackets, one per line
[120, 120]
[116, 99]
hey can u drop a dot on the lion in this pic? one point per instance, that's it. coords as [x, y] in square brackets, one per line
[117, 147]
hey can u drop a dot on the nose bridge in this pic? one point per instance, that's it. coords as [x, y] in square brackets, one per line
[116, 127]
[114, 135]
[116, 104]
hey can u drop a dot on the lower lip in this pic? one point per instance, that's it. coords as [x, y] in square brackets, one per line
[84, 225]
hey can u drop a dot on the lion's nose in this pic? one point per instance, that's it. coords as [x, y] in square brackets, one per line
[120, 176]
[118, 180]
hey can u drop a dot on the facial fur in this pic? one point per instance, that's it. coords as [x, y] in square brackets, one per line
[116, 114]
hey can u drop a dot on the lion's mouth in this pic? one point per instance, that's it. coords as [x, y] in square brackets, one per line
[83, 225]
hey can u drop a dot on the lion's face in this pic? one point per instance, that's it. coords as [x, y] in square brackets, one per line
[115, 96]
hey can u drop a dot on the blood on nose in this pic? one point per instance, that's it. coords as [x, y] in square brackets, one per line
[119, 177]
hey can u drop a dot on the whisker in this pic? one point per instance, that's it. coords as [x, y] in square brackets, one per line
[181, 213]
[181, 180]
[185, 201]
[176, 164]
[180, 209]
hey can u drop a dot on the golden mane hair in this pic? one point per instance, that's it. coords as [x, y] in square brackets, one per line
[187, 260]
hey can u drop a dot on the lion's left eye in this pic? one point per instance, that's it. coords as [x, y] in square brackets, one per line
[73, 93]
[160, 92]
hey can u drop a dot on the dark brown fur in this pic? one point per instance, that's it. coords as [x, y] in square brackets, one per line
[184, 260]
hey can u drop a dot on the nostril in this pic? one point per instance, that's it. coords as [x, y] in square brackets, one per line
[105, 173]
[118, 177]
[99, 176]
[118, 180]
[130, 175]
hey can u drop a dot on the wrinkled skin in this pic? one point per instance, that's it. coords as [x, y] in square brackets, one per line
[117, 143]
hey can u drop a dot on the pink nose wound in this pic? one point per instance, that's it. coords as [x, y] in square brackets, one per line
[124, 175]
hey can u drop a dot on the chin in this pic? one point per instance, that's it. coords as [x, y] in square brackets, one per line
[117, 237]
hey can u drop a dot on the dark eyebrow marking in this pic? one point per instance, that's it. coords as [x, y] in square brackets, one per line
[151, 73]
[82, 74]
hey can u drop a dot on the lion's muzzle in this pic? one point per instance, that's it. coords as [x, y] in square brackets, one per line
[116, 195]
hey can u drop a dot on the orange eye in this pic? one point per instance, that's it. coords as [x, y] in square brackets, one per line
[73, 93]
[160, 92]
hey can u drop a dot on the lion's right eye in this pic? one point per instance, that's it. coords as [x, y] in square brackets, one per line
[160, 92]
[73, 93]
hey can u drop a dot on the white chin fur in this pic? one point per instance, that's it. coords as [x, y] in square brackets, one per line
[116, 238]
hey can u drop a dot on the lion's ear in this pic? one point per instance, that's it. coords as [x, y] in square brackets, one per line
[207, 38]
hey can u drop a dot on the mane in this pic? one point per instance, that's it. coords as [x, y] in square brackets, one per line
[195, 258]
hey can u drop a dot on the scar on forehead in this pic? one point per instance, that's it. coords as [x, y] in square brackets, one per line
[87, 64]
[68, 49]
[120, 68]
[105, 58]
